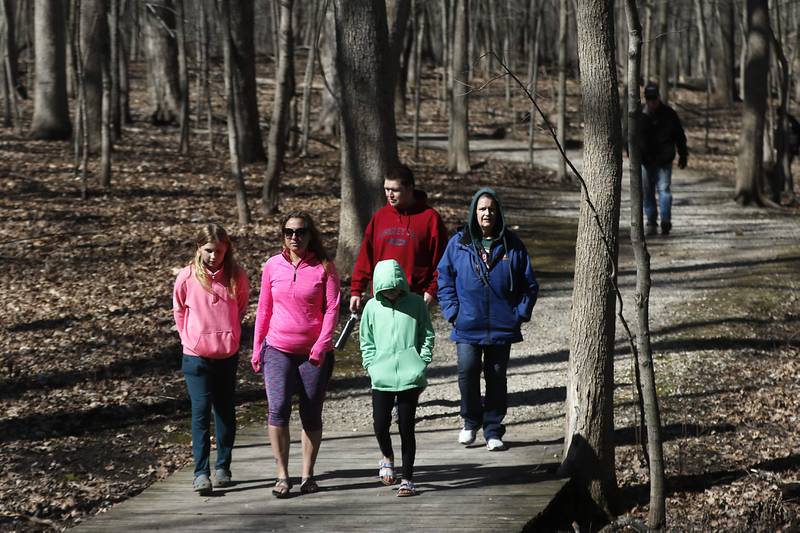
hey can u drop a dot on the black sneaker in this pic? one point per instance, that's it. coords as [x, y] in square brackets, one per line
[650, 229]
[665, 228]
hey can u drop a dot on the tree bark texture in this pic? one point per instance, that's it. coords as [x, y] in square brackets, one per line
[662, 48]
[50, 107]
[657, 513]
[589, 439]
[459, 110]
[93, 49]
[284, 91]
[723, 50]
[368, 135]
[251, 146]
[183, 77]
[328, 119]
[162, 61]
[749, 166]
[397, 12]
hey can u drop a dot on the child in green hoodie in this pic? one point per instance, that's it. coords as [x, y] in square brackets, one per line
[396, 346]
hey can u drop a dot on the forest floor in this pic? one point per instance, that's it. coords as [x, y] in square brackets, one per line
[94, 408]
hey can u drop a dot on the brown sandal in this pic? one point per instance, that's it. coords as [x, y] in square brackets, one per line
[309, 486]
[282, 488]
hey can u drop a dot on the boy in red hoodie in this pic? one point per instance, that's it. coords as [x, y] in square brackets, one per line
[406, 229]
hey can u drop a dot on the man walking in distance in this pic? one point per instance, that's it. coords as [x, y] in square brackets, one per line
[661, 134]
[406, 229]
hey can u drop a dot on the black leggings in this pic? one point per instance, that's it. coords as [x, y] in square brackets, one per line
[382, 403]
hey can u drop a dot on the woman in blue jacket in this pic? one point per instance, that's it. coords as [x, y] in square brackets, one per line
[486, 290]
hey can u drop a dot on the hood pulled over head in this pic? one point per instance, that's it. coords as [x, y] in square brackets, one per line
[389, 274]
[473, 229]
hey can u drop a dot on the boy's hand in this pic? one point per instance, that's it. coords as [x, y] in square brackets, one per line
[429, 298]
[355, 304]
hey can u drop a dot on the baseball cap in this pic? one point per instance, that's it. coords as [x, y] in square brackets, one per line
[650, 91]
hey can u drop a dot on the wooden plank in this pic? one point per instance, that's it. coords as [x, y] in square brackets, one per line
[505, 489]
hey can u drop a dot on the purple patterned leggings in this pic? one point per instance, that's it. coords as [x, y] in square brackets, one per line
[282, 373]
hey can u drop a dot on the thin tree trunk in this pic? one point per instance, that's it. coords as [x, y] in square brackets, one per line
[589, 438]
[205, 75]
[444, 102]
[459, 151]
[749, 164]
[308, 79]
[782, 177]
[328, 120]
[419, 34]
[284, 91]
[397, 21]
[507, 55]
[94, 35]
[183, 77]
[662, 45]
[657, 513]
[105, 124]
[533, 75]
[114, 40]
[561, 125]
[704, 56]
[230, 96]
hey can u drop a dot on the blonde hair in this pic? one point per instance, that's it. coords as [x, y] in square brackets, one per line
[215, 233]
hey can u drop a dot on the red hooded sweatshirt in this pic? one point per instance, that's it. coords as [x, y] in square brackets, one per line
[415, 237]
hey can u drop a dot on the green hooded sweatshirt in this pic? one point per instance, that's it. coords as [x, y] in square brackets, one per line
[396, 337]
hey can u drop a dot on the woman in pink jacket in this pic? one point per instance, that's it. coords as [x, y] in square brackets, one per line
[298, 309]
[209, 302]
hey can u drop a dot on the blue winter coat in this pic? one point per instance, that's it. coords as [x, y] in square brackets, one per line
[486, 301]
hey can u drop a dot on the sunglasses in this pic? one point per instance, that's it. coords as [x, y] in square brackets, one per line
[299, 232]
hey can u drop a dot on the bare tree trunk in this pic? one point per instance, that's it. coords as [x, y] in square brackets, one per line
[105, 123]
[94, 35]
[723, 40]
[114, 44]
[749, 163]
[701, 30]
[308, 78]
[328, 119]
[251, 146]
[507, 55]
[782, 177]
[51, 109]
[533, 74]
[662, 45]
[8, 34]
[657, 514]
[589, 439]
[205, 82]
[419, 34]
[183, 77]
[368, 135]
[459, 143]
[648, 45]
[561, 106]
[284, 91]
[397, 20]
[230, 96]
[162, 61]
[444, 101]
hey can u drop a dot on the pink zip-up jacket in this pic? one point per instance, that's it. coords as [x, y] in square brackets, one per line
[209, 322]
[298, 307]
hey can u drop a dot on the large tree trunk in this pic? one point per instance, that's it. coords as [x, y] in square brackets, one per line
[50, 107]
[162, 61]
[368, 135]
[251, 146]
[284, 91]
[94, 54]
[589, 439]
[459, 110]
[751, 149]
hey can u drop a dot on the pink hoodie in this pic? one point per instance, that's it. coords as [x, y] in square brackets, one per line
[209, 323]
[298, 307]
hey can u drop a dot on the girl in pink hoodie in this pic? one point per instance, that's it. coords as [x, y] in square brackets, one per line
[298, 309]
[208, 302]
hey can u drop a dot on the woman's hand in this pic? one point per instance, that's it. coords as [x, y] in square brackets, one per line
[255, 362]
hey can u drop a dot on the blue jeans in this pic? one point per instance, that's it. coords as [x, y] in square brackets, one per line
[491, 412]
[657, 179]
[211, 383]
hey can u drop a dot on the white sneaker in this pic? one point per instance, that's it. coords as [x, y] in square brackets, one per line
[467, 436]
[495, 445]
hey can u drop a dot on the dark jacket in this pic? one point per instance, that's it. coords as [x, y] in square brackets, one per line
[486, 301]
[661, 133]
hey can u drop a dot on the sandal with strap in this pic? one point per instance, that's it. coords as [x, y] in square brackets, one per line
[406, 488]
[308, 485]
[282, 488]
[386, 472]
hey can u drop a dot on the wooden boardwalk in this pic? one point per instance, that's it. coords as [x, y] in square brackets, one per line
[460, 489]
